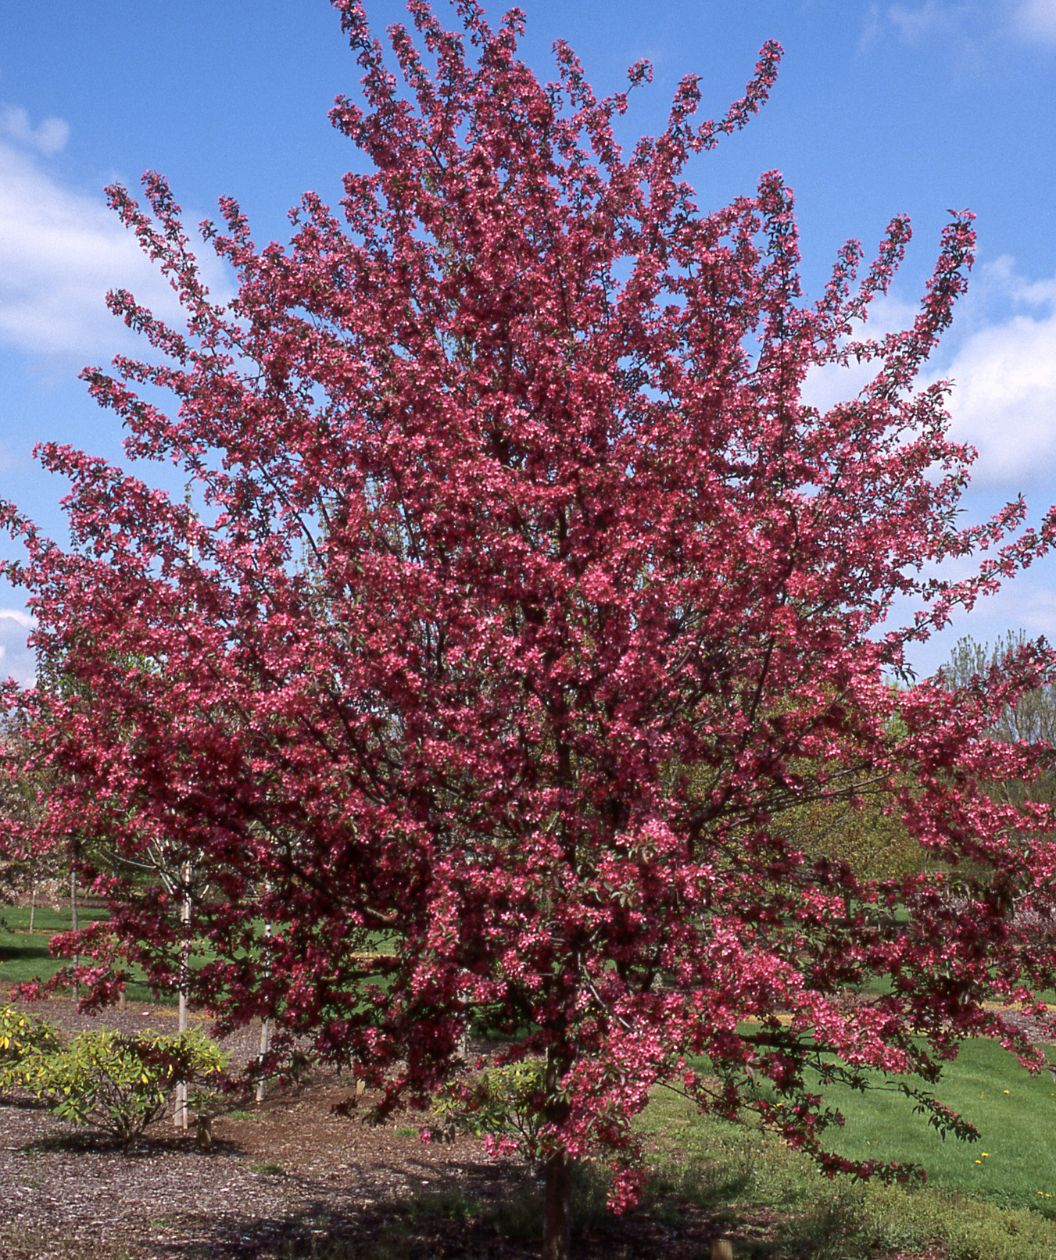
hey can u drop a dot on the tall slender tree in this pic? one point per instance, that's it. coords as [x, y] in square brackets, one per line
[1031, 720]
[526, 596]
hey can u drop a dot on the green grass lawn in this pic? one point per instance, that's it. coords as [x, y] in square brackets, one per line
[25, 955]
[1015, 1160]
[15, 919]
[773, 1204]
[1003, 1206]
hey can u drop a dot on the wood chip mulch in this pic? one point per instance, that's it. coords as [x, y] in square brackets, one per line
[287, 1179]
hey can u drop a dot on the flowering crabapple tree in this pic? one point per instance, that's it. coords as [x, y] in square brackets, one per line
[522, 596]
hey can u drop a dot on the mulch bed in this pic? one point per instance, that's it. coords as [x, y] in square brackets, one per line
[287, 1179]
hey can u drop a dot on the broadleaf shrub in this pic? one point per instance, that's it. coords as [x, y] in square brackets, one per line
[117, 1083]
[22, 1035]
[501, 1104]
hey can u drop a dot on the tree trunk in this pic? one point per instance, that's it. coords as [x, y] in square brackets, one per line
[265, 1046]
[557, 1204]
[265, 1023]
[179, 1111]
[557, 1217]
[73, 924]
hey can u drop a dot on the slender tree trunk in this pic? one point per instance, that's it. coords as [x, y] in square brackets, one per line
[557, 1170]
[265, 1023]
[32, 904]
[557, 1216]
[264, 1047]
[179, 1112]
[73, 923]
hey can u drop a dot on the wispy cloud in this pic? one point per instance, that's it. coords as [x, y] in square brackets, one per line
[1036, 19]
[49, 136]
[915, 23]
[959, 26]
[16, 660]
[966, 25]
[61, 249]
[1000, 278]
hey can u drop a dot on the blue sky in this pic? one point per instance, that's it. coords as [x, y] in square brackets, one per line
[881, 107]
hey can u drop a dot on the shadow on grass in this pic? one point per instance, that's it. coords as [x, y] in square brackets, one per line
[24, 958]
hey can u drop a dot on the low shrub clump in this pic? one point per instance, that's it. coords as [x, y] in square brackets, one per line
[116, 1083]
[500, 1104]
[22, 1036]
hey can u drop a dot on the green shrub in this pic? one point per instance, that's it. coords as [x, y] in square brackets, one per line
[117, 1083]
[22, 1035]
[499, 1103]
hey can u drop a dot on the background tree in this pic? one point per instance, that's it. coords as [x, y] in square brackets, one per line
[861, 829]
[866, 832]
[26, 865]
[525, 599]
[1030, 720]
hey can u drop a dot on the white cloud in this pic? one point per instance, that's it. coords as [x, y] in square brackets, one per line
[1004, 399]
[1003, 371]
[17, 615]
[61, 249]
[1004, 374]
[969, 25]
[826, 386]
[1036, 19]
[49, 136]
[16, 660]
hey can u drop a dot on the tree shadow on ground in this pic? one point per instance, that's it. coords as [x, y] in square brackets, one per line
[406, 1209]
[479, 1214]
[93, 1142]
